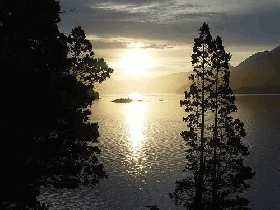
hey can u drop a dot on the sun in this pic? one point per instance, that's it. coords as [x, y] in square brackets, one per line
[135, 96]
[135, 62]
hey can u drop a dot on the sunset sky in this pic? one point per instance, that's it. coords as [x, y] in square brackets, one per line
[161, 32]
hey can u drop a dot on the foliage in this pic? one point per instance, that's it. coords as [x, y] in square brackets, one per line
[215, 172]
[94, 94]
[45, 110]
[83, 64]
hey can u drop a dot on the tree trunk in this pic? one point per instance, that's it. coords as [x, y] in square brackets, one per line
[215, 138]
[198, 203]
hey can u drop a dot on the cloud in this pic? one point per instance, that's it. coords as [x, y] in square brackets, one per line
[175, 21]
[155, 12]
[256, 26]
[100, 42]
[158, 12]
[108, 45]
[113, 26]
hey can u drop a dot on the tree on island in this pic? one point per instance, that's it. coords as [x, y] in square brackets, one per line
[48, 137]
[216, 175]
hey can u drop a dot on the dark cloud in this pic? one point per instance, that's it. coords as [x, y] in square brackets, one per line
[166, 12]
[255, 27]
[170, 21]
[159, 12]
[135, 2]
[158, 46]
[108, 45]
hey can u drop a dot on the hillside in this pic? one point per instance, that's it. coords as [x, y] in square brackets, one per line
[258, 74]
[258, 90]
[186, 86]
[162, 84]
[262, 69]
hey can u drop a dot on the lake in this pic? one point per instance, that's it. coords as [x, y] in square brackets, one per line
[143, 153]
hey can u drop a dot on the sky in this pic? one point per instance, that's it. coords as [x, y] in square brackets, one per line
[164, 30]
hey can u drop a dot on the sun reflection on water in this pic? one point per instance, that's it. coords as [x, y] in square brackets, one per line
[135, 116]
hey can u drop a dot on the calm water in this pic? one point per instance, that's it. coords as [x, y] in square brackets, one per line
[143, 153]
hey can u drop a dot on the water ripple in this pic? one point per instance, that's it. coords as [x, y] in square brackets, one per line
[143, 154]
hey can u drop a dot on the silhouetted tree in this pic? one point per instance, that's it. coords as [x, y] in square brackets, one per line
[45, 110]
[228, 171]
[30, 50]
[196, 104]
[74, 133]
[215, 172]
[83, 65]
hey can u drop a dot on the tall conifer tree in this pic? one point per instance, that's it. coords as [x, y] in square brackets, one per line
[215, 172]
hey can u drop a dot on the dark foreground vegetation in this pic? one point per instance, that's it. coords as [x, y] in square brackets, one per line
[215, 173]
[47, 83]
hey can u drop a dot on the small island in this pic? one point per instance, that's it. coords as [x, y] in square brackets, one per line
[123, 100]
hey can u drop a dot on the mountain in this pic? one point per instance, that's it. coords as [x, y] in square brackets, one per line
[258, 90]
[257, 74]
[183, 88]
[187, 84]
[162, 84]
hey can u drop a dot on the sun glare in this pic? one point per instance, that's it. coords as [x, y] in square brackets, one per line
[135, 96]
[135, 115]
[135, 62]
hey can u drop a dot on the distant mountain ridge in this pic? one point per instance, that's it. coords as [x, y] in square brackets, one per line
[262, 69]
[258, 74]
[162, 84]
[258, 90]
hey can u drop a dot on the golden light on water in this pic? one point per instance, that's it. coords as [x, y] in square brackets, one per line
[135, 116]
